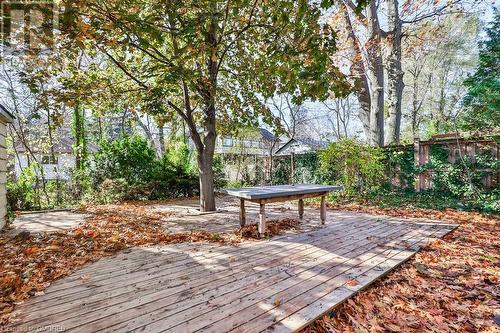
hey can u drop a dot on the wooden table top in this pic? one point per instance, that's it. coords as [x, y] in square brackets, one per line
[265, 192]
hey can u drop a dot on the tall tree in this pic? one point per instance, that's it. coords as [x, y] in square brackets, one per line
[482, 102]
[367, 66]
[395, 83]
[435, 66]
[380, 48]
[293, 118]
[212, 62]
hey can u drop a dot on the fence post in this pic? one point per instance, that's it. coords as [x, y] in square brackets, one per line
[416, 162]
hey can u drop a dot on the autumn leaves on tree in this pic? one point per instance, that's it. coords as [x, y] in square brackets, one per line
[211, 62]
[212, 65]
[375, 55]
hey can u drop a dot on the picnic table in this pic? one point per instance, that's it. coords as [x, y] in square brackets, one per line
[279, 193]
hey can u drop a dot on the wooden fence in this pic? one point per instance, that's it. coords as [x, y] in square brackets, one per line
[458, 147]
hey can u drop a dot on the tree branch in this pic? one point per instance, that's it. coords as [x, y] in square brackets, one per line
[125, 70]
[437, 12]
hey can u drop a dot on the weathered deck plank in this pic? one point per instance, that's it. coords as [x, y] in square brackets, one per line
[297, 251]
[280, 284]
[223, 301]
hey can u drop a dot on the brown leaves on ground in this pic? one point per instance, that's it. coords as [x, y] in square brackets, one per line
[452, 285]
[273, 228]
[30, 262]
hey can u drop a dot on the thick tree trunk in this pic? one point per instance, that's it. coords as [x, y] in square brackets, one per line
[205, 162]
[394, 74]
[375, 75]
[358, 72]
[207, 196]
[205, 159]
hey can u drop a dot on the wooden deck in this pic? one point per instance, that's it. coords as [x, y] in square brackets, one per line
[277, 285]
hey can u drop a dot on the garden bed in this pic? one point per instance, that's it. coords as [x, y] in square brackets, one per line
[449, 286]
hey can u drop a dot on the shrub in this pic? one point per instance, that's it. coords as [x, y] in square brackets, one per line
[128, 169]
[461, 179]
[22, 194]
[129, 158]
[351, 163]
[108, 191]
[399, 167]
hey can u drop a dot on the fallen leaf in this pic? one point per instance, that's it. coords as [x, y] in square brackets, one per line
[352, 282]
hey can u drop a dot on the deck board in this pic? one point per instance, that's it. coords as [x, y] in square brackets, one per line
[277, 285]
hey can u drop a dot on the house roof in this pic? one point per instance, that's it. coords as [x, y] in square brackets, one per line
[306, 144]
[6, 115]
[63, 146]
[267, 135]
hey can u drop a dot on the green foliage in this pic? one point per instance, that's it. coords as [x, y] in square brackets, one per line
[305, 169]
[220, 180]
[487, 203]
[78, 131]
[399, 167]
[456, 185]
[108, 191]
[28, 191]
[128, 168]
[281, 170]
[23, 193]
[178, 154]
[129, 158]
[351, 163]
[461, 179]
[482, 101]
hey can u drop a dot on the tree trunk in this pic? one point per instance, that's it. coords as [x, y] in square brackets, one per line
[358, 72]
[375, 75]
[53, 158]
[414, 113]
[205, 159]
[394, 73]
[79, 137]
[101, 132]
[207, 196]
[161, 137]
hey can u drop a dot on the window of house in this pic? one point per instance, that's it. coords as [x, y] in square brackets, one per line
[48, 159]
[227, 142]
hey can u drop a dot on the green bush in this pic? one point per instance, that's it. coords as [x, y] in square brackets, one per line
[30, 192]
[399, 168]
[128, 169]
[220, 180]
[129, 158]
[22, 194]
[353, 164]
[108, 191]
[463, 179]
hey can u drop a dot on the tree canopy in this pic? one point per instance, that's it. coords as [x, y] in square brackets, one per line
[482, 101]
[211, 63]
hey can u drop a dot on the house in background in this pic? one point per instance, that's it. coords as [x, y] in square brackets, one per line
[301, 146]
[260, 142]
[58, 166]
[242, 154]
[294, 154]
[5, 118]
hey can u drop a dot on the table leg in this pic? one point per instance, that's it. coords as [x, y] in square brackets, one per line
[301, 208]
[262, 221]
[242, 213]
[323, 210]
